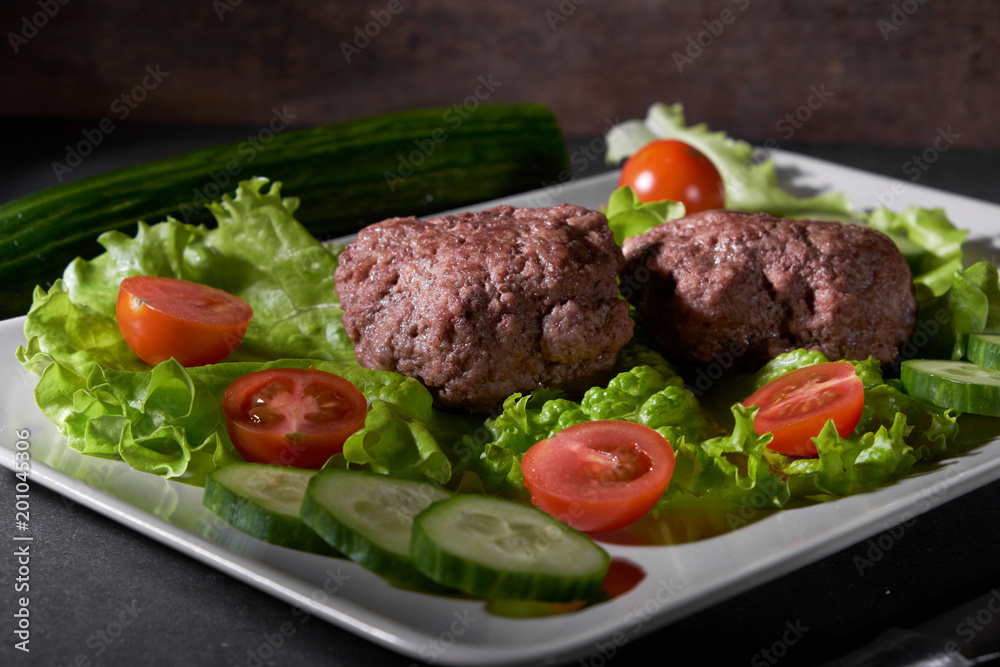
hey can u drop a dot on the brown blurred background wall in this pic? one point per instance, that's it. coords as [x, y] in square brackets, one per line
[877, 72]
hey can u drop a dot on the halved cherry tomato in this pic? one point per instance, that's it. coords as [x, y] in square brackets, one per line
[795, 407]
[168, 317]
[670, 169]
[292, 416]
[600, 475]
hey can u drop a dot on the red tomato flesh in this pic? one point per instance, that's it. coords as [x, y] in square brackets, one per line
[795, 407]
[196, 324]
[599, 476]
[670, 169]
[292, 416]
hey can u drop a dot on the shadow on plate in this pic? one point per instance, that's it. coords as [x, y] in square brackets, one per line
[623, 575]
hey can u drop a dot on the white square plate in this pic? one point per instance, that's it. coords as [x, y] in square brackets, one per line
[680, 579]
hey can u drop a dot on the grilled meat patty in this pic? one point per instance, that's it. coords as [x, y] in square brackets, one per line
[480, 305]
[721, 283]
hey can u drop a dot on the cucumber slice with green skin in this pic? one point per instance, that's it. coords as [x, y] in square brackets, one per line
[369, 518]
[959, 385]
[263, 501]
[497, 548]
[984, 349]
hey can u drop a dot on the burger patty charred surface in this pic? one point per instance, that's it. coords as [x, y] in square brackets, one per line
[480, 305]
[722, 284]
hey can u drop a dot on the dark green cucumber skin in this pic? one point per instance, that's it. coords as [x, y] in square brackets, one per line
[984, 351]
[951, 394]
[485, 582]
[341, 173]
[243, 514]
[383, 563]
[397, 569]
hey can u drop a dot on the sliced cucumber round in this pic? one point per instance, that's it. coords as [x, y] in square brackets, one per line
[959, 385]
[369, 518]
[984, 349]
[497, 548]
[263, 501]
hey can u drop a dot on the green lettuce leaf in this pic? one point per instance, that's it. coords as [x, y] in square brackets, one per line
[930, 242]
[971, 305]
[726, 464]
[167, 420]
[258, 252]
[653, 395]
[56, 329]
[750, 186]
[784, 364]
[894, 432]
[628, 216]
[974, 303]
[733, 468]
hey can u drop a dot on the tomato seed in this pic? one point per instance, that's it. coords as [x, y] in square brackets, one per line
[325, 405]
[269, 392]
[261, 414]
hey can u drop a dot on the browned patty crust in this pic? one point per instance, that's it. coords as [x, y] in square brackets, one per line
[722, 283]
[480, 305]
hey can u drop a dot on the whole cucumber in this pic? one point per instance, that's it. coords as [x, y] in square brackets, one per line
[347, 175]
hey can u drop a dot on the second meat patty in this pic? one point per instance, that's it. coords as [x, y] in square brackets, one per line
[752, 286]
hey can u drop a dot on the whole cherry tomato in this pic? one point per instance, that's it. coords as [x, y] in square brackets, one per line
[670, 169]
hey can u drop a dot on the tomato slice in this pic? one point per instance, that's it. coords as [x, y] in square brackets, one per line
[795, 407]
[670, 169]
[292, 416]
[196, 324]
[600, 475]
